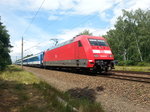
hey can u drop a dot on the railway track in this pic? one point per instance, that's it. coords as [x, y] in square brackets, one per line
[143, 77]
[131, 72]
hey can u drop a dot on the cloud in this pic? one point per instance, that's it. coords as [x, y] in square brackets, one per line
[86, 7]
[16, 50]
[128, 5]
[17, 15]
[16, 26]
[70, 33]
[78, 7]
[52, 18]
[33, 46]
[135, 4]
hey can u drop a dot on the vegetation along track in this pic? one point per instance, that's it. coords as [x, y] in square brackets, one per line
[117, 95]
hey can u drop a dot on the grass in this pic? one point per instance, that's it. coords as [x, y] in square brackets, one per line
[133, 68]
[21, 91]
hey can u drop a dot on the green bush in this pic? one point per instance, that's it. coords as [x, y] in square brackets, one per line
[128, 62]
[131, 62]
[121, 63]
[143, 64]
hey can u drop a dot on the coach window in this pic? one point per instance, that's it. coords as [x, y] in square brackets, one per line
[79, 44]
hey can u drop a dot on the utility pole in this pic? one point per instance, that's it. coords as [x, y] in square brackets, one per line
[16, 60]
[0, 20]
[22, 54]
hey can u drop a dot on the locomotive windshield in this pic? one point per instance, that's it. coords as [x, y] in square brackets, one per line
[97, 42]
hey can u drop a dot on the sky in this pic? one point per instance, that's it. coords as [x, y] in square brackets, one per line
[59, 19]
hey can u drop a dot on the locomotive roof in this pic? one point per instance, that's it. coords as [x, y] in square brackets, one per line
[88, 36]
[78, 37]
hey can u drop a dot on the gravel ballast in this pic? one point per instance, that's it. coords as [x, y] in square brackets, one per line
[115, 95]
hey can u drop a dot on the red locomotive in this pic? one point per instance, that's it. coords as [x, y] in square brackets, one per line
[83, 52]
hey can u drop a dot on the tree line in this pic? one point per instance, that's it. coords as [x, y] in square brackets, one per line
[4, 47]
[130, 38]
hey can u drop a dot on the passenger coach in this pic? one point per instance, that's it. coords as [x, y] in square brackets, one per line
[34, 60]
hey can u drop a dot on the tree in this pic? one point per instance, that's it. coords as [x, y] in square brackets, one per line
[130, 39]
[4, 47]
[85, 32]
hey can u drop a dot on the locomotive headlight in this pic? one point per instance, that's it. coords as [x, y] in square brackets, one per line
[96, 55]
[110, 56]
[91, 61]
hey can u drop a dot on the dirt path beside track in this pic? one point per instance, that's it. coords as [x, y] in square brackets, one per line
[115, 95]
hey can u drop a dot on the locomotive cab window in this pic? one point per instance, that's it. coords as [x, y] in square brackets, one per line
[97, 42]
[79, 44]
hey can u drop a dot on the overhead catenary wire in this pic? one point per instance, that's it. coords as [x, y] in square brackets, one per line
[72, 25]
[34, 46]
[36, 13]
[27, 30]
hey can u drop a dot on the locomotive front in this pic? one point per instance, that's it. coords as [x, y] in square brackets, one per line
[103, 57]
